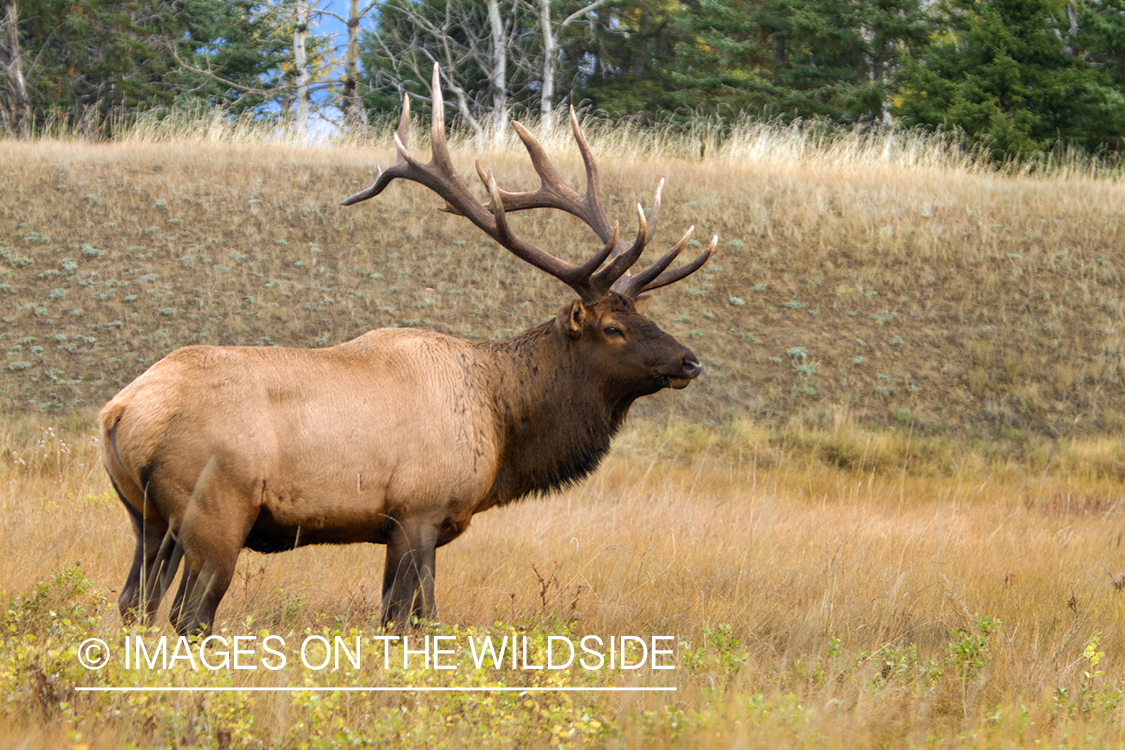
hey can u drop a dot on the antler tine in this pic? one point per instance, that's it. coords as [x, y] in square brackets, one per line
[631, 284]
[553, 192]
[593, 179]
[438, 175]
[591, 265]
[403, 131]
[550, 264]
[621, 261]
[439, 146]
[618, 268]
[576, 277]
[638, 284]
[655, 276]
[656, 201]
[382, 179]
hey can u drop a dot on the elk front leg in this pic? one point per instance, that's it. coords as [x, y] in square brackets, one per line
[208, 571]
[408, 578]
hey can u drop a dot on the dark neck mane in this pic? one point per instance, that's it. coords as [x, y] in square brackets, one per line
[554, 420]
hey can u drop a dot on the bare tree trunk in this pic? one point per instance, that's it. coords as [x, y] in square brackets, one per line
[550, 64]
[19, 107]
[300, 61]
[466, 112]
[498, 76]
[437, 46]
[354, 113]
[551, 56]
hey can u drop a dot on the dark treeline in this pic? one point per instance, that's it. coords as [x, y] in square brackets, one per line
[1020, 76]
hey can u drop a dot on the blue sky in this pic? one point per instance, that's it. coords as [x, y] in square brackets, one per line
[326, 24]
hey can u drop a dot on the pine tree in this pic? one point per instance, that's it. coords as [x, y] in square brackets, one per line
[791, 58]
[622, 61]
[234, 54]
[1011, 73]
[90, 59]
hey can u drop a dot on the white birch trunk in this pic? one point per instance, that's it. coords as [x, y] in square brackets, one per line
[354, 113]
[20, 108]
[499, 73]
[300, 61]
[550, 65]
[551, 56]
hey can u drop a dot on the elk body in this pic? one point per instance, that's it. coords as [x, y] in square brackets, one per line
[397, 437]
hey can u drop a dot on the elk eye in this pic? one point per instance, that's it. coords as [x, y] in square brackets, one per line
[613, 331]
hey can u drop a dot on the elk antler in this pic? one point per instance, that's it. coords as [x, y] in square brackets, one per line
[592, 281]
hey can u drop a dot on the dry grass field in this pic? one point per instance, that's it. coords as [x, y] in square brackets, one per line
[888, 514]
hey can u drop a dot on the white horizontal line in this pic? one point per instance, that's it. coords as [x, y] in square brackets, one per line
[298, 689]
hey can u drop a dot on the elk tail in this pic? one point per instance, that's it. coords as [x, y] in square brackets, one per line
[110, 418]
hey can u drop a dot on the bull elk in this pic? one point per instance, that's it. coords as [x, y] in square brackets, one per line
[397, 437]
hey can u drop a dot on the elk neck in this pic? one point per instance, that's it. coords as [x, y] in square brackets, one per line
[554, 417]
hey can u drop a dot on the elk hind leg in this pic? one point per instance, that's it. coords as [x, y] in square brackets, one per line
[155, 560]
[214, 529]
[408, 578]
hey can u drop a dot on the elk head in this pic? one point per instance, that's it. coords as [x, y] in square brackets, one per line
[608, 317]
[631, 354]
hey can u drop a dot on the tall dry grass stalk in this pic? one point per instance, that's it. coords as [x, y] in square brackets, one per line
[745, 140]
[800, 142]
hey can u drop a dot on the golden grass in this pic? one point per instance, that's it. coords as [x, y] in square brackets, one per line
[814, 605]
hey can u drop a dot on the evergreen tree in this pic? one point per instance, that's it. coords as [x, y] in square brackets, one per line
[794, 58]
[235, 53]
[820, 63]
[724, 59]
[777, 58]
[1012, 73]
[1101, 39]
[88, 59]
[102, 61]
[622, 61]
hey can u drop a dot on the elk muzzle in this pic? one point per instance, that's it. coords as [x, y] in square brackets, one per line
[690, 368]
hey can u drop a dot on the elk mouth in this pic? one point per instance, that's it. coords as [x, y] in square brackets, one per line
[689, 371]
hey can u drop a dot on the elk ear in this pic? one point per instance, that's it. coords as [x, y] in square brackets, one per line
[641, 303]
[576, 319]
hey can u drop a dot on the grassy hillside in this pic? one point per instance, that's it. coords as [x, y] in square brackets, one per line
[908, 289]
